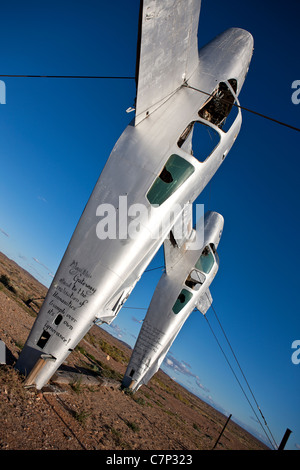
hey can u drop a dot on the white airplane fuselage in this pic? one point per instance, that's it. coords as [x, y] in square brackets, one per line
[96, 275]
[178, 292]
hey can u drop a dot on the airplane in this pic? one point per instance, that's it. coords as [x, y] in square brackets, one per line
[181, 289]
[152, 169]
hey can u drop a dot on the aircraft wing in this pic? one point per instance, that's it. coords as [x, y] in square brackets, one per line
[167, 50]
[204, 302]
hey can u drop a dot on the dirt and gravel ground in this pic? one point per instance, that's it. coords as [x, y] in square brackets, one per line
[98, 415]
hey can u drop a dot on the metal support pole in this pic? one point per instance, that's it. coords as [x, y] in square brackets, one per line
[228, 419]
[2, 352]
[40, 363]
[284, 439]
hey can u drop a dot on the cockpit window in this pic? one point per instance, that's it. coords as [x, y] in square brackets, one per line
[219, 106]
[175, 172]
[183, 298]
[206, 261]
[200, 139]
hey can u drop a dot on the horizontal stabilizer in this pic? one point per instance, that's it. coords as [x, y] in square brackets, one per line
[204, 302]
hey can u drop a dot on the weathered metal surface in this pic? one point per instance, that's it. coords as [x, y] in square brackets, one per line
[168, 51]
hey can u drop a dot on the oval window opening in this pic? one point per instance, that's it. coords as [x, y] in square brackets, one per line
[182, 300]
[199, 140]
[175, 172]
[221, 108]
[206, 261]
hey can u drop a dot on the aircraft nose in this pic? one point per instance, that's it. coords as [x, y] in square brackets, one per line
[214, 218]
[240, 45]
[228, 55]
[244, 51]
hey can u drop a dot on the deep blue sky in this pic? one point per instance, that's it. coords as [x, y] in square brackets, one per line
[56, 135]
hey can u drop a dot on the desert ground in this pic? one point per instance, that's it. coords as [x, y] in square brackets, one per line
[83, 407]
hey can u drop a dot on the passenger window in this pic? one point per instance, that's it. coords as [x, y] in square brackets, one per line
[195, 280]
[175, 172]
[58, 319]
[43, 339]
[206, 261]
[199, 140]
[183, 298]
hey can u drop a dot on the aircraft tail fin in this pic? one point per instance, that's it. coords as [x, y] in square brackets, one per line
[167, 51]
